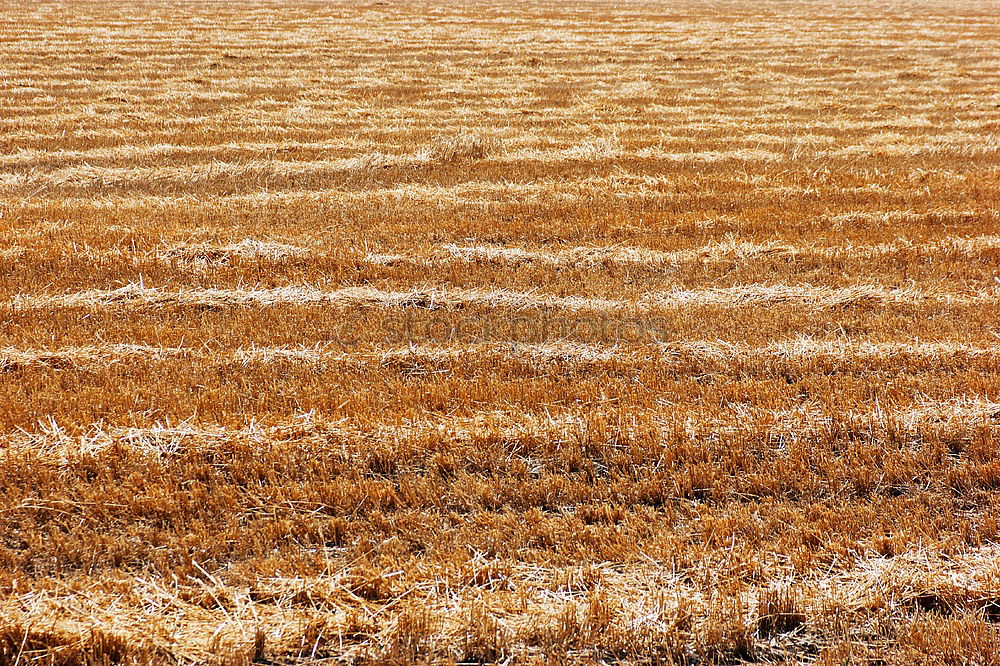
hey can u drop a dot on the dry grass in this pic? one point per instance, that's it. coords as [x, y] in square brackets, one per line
[365, 332]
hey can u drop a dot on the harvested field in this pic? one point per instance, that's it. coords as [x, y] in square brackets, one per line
[462, 332]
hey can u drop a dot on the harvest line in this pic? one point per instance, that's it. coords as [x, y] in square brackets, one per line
[137, 295]
[797, 349]
[779, 425]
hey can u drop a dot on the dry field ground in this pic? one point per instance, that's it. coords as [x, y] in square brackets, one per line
[563, 332]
